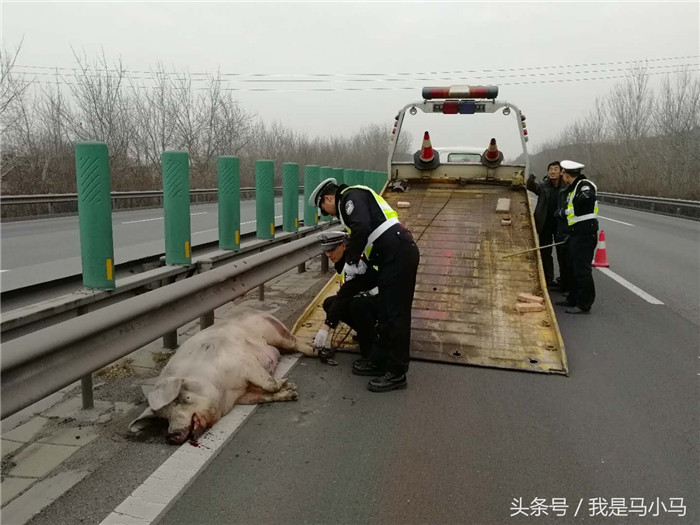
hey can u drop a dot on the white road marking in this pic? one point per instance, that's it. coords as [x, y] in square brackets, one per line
[634, 289]
[144, 220]
[615, 220]
[205, 231]
[161, 218]
[155, 496]
[4, 271]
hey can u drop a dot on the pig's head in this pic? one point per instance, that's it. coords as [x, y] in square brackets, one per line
[189, 405]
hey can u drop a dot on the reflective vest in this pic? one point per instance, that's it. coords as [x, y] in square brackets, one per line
[571, 217]
[391, 218]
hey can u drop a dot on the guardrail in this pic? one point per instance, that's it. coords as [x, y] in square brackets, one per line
[675, 207]
[42, 362]
[54, 203]
[21, 321]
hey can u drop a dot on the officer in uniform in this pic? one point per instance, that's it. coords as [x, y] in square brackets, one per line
[355, 303]
[376, 232]
[581, 214]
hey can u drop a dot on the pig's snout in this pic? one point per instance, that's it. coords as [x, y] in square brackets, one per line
[178, 437]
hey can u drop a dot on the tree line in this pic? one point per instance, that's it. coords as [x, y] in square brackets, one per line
[637, 139]
[40, 124]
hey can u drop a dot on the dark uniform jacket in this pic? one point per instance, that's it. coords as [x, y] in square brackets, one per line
[584, 203]
[348, 291]
[362, 214]
[546, 201]
[562, 225]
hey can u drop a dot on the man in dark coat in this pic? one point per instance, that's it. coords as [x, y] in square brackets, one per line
[547, 191]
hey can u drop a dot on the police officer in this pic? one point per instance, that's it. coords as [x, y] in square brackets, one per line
[375, 231]
[355, 304]
[581, 214]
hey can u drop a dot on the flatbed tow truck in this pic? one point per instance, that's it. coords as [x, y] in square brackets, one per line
[465, 309]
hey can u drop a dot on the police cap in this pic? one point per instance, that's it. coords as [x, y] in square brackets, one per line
[319, 191]
[570, 166]
[330, 240]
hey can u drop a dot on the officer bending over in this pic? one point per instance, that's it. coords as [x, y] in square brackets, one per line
[355, 303]
[581, 215]
[375, 231]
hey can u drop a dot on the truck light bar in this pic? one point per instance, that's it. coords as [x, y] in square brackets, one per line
[430, 93]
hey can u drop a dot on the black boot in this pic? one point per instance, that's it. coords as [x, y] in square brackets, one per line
[365, 367]
[387, 383]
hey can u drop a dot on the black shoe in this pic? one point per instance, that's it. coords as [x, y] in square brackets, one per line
[576, 310]
[360, 362]
[564, 303]
[363, 367]
[387, 383]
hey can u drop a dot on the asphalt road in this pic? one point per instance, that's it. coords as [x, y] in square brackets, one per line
[45, 249]
[465, 445]
[470, 445]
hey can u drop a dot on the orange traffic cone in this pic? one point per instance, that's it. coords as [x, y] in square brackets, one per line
[426, 151]
[492, 158]
[601, 254]
[426, 158]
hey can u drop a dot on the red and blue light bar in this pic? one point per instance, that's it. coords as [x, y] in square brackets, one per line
[489, 92]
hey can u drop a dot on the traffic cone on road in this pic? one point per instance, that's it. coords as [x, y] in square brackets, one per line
[601, 253]
[426, 158]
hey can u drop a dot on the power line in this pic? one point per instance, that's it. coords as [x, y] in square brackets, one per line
[376, 75]
[386, 88]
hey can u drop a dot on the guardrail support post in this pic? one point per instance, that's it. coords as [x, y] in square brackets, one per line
[301, 268]
[176, 207]
[207, 319]
[86, 392]
[290, 197]
[261, 292]
[311, 180]
[229, 182]
[265, 199]
[324, 264]
[95, 214]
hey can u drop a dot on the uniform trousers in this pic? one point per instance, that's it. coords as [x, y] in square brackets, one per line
[581, 248]
[360, 314]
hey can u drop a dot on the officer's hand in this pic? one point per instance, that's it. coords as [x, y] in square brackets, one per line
[353, 270]
[361, 267]
[531, 178]
[320, 340]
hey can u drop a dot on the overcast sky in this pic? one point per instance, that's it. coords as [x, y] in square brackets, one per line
[468, 40]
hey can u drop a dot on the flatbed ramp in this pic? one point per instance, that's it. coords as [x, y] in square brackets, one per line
[464, 306]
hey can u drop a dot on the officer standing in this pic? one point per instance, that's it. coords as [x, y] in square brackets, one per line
[355, 304]
[375, 231]
[581, 215]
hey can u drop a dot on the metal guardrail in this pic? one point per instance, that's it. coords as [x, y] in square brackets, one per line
[42, 362]
[675, 207]
[21, 321]
[68, 202]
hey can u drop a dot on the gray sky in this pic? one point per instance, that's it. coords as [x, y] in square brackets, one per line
[372, 37]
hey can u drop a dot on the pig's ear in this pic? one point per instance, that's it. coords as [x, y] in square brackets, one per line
[142, 421]
[165, 392]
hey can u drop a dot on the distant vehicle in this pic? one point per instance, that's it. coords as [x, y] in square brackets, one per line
[454, 154]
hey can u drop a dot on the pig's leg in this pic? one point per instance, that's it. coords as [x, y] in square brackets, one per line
[258, 376]
[282, 339]
[255, 396]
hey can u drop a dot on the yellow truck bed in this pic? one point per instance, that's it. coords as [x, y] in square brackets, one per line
[464, 309]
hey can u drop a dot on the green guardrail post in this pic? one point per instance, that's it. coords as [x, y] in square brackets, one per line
[339, 175]
[176, 207]
[229, 189]
[326, 172]
[95, 214]
[361, 178]
[347, 177]
[311, 180]
[265, 199]
[290, 197]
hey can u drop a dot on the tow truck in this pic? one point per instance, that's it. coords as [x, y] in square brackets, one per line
[479, 300]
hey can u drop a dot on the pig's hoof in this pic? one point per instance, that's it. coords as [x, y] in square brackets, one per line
[288, 385]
